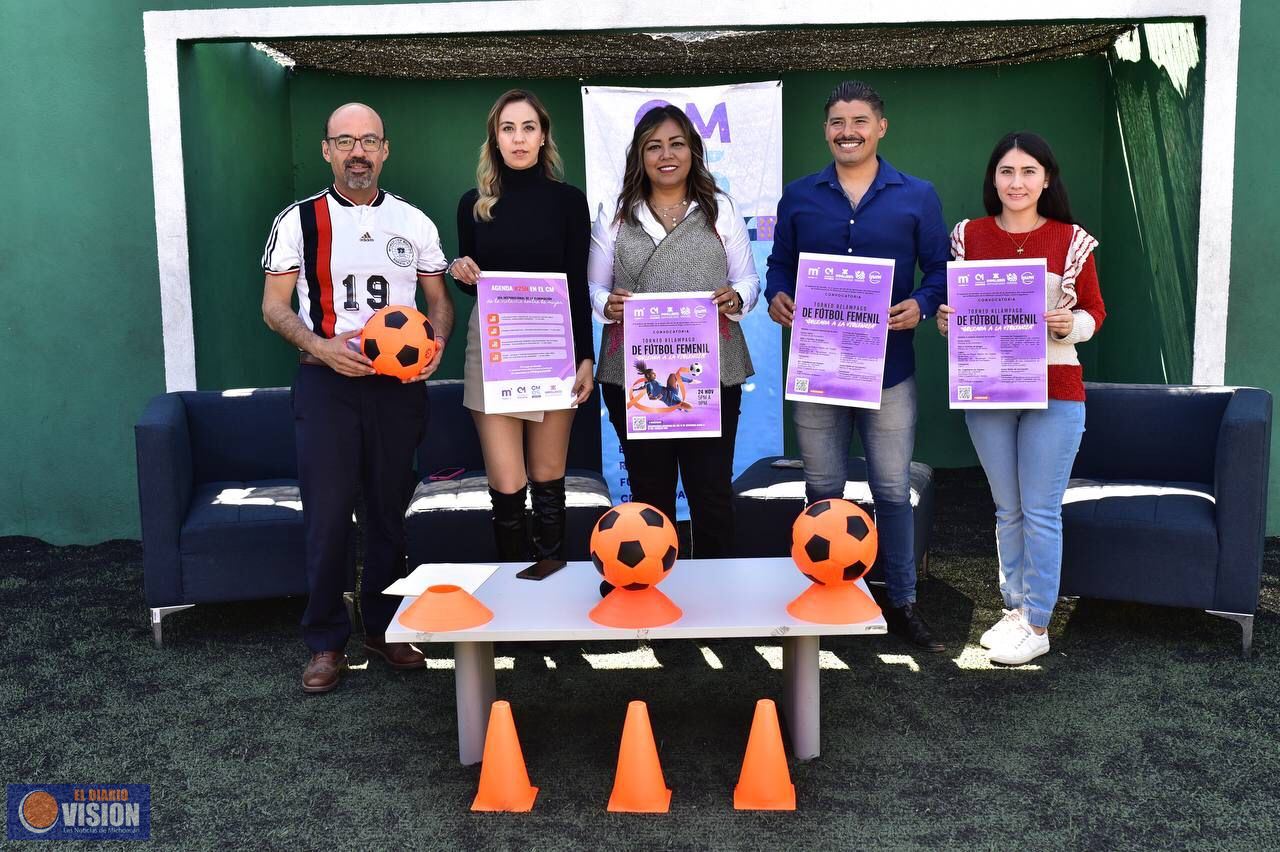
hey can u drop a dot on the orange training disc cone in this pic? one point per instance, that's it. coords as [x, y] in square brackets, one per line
[765, 782]
[638, 786]
[504, 782]
[640, 608]
[443, 608]
[842, 603]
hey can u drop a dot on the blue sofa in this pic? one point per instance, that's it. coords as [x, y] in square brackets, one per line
[218, 494]
[222, 514]
[1168, 498]
[768, 498]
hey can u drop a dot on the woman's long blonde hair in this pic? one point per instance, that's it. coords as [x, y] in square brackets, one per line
[489, 170]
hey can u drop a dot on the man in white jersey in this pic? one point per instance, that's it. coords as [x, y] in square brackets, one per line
[346, 252]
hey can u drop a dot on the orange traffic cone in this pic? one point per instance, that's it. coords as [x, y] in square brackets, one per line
[445, 607]
[639, 787]
[843, 603]
[504, 782]
[640, 608]
[765, 782]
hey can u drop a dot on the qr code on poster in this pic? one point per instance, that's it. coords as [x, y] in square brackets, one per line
[639, 422]
[802, 385]
[964, 393]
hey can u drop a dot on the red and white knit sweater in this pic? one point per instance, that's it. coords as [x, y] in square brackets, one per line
[1073, 283]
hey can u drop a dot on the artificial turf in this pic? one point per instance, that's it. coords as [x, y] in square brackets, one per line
[1142, 728]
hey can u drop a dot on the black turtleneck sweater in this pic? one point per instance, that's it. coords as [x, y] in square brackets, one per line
[538, 225]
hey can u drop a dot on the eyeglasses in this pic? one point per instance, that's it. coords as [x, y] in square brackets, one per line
[346, 143]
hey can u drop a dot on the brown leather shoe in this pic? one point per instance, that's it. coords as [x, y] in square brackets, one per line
[399, 655]
[322, 673]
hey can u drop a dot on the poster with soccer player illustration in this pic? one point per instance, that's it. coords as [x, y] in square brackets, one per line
[672, 344]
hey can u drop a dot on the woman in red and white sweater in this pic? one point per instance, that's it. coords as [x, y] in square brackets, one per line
[1027, 454]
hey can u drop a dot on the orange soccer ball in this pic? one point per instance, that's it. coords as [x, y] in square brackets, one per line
[833, 542]
[634, 545]
[399, 340]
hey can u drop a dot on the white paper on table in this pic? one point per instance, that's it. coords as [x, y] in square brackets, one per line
[470, 576]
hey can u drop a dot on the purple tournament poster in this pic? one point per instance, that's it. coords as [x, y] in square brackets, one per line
[840, 330]
[671, 343]
[996, 343]
[527, 341]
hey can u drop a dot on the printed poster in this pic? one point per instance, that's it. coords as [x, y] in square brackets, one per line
[527, 341]
[840, 330]
[996, 345]
[671, 342]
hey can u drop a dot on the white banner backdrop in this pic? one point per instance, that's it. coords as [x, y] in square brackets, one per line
[741, 128]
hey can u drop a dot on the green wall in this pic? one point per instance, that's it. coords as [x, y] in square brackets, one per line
[1253, 344]
[239, 164]
[436, 127]
[1151, 217]
[1125, 273]
[81, 323]
[72, 75]
[77, 368]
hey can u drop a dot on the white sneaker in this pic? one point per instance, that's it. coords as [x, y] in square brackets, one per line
[1011, 619]
[1019, 646]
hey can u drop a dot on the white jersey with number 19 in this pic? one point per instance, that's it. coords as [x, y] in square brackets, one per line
[352, 259]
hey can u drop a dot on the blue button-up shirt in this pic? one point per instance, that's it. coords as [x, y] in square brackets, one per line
[899, 217]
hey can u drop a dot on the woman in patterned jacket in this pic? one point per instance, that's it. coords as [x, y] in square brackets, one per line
[674, 231]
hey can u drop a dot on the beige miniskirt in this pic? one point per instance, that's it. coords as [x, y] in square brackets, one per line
[473, 375]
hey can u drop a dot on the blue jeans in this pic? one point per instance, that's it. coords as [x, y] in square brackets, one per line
[888, 437]
[1027, 456]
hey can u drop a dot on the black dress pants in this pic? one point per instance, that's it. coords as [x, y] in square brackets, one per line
[705, 465]
[353, 435]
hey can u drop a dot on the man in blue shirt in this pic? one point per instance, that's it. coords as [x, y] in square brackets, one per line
[860, 205]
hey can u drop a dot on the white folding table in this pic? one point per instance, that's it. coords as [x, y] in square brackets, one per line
[721, 598]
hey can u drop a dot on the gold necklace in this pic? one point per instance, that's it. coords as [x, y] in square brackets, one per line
[1016, 244]
[665, 211]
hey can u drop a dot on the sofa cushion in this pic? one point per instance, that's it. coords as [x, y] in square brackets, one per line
[767, 499]
[1119, 443]
[470, 492]
[243, 540]
[762, 481]
[449, 521]
[1120, 534]
[241, 434]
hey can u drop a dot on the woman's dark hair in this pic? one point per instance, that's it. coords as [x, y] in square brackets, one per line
[1053, 203]
[701, 186]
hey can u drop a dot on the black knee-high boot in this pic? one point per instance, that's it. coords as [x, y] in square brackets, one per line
[510, 525]
[548, 518]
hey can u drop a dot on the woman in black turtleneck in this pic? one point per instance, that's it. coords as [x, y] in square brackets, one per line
[523, 218]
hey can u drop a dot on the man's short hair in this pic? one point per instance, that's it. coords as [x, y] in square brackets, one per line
[854, 90]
